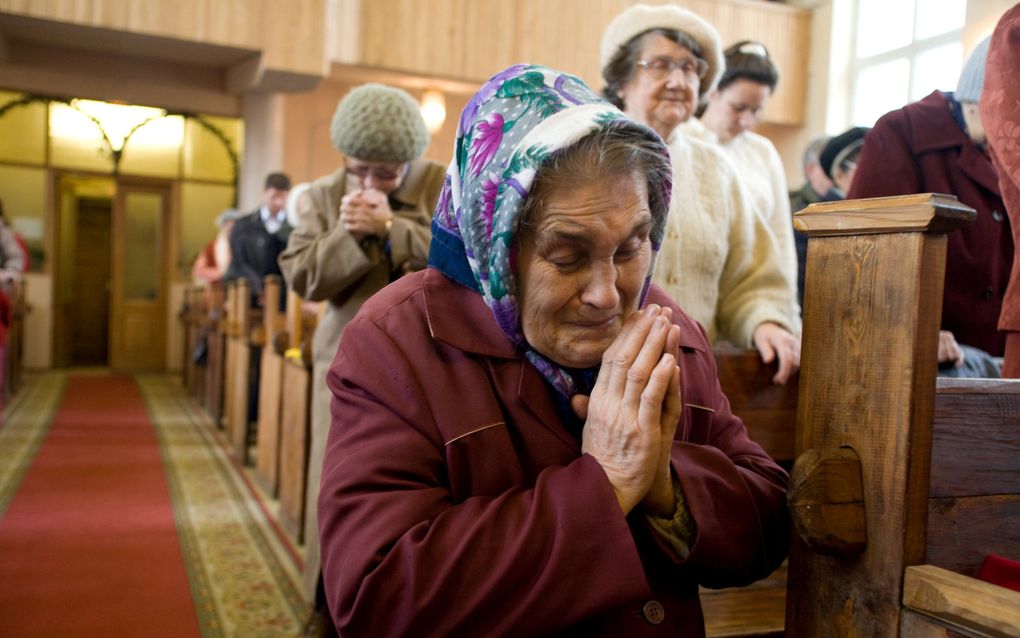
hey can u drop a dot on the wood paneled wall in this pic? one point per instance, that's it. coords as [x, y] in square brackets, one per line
[308, 151]
[290, 35]
[472, 39]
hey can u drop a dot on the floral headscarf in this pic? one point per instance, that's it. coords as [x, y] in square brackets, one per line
[518, 119]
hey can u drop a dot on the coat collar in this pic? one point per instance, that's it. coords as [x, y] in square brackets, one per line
[412, 189]
[458, 317]
[933, 128]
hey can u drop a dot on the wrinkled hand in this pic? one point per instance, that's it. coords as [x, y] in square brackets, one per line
[632, 414]
[949, 349]
[774, 342]
[365, 213]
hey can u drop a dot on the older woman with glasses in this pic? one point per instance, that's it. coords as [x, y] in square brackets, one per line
[719, 258]
[733, 108]
[528, 437]
[360, 228]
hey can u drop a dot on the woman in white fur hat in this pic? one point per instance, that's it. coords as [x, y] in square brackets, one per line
[719, 258]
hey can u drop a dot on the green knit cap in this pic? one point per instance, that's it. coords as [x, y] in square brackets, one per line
[378, 123]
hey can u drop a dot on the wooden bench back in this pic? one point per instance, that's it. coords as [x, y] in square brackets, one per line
[974, 506]
[295, 436]
[271, 362]
[768, 410]
[879, 468]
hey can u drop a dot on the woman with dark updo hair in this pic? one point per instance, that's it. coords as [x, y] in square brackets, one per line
[727, 118]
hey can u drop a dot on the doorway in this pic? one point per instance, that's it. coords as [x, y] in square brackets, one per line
[90, 284]
[111, 273]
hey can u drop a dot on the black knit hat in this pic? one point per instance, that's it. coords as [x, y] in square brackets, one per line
[840, 147]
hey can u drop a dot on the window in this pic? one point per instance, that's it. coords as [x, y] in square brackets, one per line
[904, 50]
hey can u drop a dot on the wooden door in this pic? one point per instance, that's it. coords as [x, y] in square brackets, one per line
[139, 291]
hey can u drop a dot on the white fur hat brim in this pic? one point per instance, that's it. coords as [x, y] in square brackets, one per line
[642, 17]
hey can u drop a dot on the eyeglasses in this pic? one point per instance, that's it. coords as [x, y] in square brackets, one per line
[380, 174]
[663, 66]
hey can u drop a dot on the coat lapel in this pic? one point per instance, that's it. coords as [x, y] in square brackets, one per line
[978, 167]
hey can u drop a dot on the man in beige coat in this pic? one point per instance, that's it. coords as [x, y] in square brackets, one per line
[359, 229]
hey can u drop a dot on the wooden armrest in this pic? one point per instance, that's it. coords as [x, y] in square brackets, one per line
[962, 601]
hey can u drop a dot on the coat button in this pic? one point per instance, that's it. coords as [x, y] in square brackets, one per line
[998, 216]
[653, 612]
[987, 294]
[673, 235]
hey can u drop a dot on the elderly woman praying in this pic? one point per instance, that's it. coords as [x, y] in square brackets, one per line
[529, 437]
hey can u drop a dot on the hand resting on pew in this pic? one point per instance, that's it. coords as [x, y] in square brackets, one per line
[773, 343]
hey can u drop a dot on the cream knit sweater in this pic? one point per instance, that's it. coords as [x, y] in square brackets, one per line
[719, 260]
[762, 174]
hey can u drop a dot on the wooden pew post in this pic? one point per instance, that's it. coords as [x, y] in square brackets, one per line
[872, 309]
[215, 326]
[240, 379]
[267, 456]
[14, 352]
[295, 420]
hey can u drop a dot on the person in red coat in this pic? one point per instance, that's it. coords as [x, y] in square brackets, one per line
[1000, 112]
[936, 145]
[528, 437]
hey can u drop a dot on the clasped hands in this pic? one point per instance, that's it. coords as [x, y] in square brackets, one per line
[366, 213]
[633, 411]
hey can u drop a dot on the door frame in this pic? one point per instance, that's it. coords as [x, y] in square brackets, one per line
[55, 233]
[169, 229]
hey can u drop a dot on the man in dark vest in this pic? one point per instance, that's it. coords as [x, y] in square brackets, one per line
[258, 238]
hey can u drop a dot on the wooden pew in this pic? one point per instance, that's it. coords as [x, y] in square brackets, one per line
[240, 339]
[296, 417]
[214, 326]
[15, 347]
[267, 455]
[894, 481]
[193, 317]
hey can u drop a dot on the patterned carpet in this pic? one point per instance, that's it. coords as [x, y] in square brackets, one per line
[243, 574]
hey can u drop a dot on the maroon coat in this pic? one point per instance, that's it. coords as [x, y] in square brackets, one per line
[921, 149]
[455, 499]
[1000, 114]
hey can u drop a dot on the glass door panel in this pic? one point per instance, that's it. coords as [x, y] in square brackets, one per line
[138, 317]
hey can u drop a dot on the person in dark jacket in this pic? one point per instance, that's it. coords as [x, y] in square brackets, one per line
[817, 187]
[937, 145]
[258, 239]
[511, 453]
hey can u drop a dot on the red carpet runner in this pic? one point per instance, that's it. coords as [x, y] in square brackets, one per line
[88, 545]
